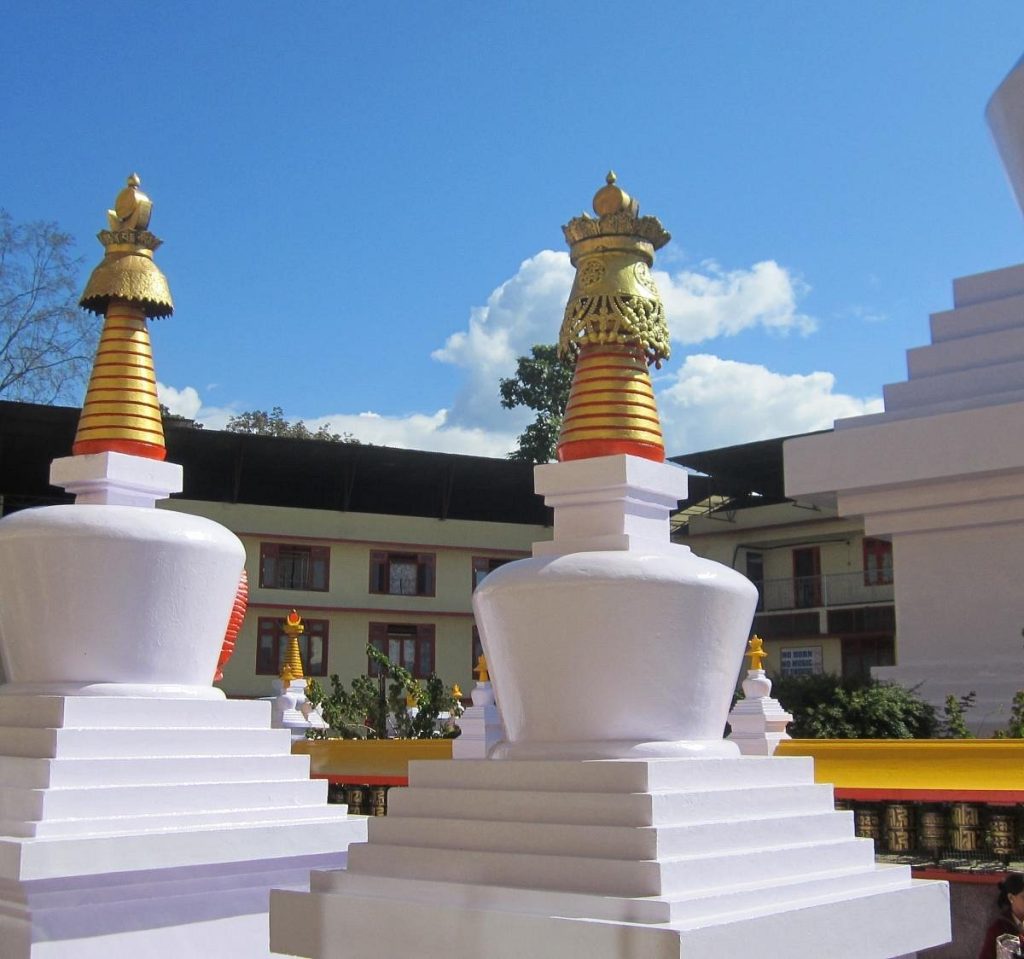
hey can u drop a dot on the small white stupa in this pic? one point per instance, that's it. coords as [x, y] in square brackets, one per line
[291, 709]
[758, 721]
[141, 813]
[614, 820]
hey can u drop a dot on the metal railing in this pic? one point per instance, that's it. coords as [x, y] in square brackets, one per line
[824, 590]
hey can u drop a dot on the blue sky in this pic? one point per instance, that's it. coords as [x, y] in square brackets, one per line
[361, 203]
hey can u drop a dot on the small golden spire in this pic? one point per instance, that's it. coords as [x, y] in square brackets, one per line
[293, 629]
[756, 653]
[456, 690]
[482, 676]
[121, 412]
[614, 328]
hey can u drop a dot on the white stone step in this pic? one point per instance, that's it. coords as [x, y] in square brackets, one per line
[142, 743]
[671, 877]
[645, 909]
[47, 858]
[983, 317]
[609, 842]
[89, 802]
[969, 352]
[946, 387]
[610, 809]
[989, 285]
[31, 773]
[120, 825]
[132, 712]
[613, 776]
[872, 925]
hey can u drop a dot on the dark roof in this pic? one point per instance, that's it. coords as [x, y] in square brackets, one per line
[748, 474]
[273, 471]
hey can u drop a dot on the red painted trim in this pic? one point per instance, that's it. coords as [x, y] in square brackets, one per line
[999, 797]
[975, 878]
[131, 447]
[354, 780]
[587, 449]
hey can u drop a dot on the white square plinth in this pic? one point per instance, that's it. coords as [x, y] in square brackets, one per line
[116, 479]
[609, 503]
[646, 859]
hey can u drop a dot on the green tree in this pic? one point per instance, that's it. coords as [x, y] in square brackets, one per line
[262, 423]
[954, 722]
[541, 383]
[46, 342]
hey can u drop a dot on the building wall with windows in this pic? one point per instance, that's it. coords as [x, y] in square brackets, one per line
[825, 590]
[403, 583]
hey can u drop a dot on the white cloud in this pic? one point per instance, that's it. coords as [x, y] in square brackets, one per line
[713, 402]
[702, 305]
[522, 311]
[709, 402]
[184, 402]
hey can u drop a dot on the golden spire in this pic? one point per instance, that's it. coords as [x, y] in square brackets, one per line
[756, 653]
[121, 412]
[614, 327]
[293, 629]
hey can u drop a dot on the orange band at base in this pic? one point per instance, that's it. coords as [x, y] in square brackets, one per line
[132, 447]
[586, 449]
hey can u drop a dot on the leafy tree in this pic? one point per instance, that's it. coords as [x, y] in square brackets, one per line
[178, 419]
[830, 707]
[875, 711]
[46, 342]
[1015, 729]
[541, 383]
[262, 423]
[954, 722]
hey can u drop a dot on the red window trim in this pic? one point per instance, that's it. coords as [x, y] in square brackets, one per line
[421, 632]
[270, 552]
[380, 572]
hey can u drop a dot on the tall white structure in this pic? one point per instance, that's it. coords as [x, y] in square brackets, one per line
[141, 813]
[941, 471]
[614, 820]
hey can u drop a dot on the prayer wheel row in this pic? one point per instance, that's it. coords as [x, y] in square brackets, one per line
[362, 800]
[939, 831]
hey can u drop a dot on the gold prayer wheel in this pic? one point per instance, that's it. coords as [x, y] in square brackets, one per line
[1002, 834]
[899, 828]
[964, 827]
[121, 412]
[931, 830]
[867, 823]
[614, 327]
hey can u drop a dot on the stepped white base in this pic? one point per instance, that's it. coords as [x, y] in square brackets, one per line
[648, 859]
[152, 828]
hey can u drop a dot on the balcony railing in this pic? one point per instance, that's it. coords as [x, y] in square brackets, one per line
[825, 590]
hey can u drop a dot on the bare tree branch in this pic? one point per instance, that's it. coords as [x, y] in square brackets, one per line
[46, 342]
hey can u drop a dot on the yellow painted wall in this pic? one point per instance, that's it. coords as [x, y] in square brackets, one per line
[348, 605]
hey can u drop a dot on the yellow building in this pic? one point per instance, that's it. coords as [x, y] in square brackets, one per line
[826, 590]
[369, 543]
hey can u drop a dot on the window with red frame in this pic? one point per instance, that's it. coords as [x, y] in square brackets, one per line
[402, 574]
[877, 562]
[272, 646]
[293, 566]
[405, 644]
[482, 565]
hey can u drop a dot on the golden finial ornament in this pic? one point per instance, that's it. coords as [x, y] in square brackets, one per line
[121, 412]
[755, 652]
[456, 691]
[614, 328]
[482, 676]
[293, 628]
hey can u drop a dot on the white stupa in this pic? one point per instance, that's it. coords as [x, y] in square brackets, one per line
[141, 813]
[614, 821]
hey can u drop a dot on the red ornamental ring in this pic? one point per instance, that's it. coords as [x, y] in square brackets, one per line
[235, 620]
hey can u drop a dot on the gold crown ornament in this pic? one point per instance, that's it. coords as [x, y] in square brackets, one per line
[121, 412]
[614, 328]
